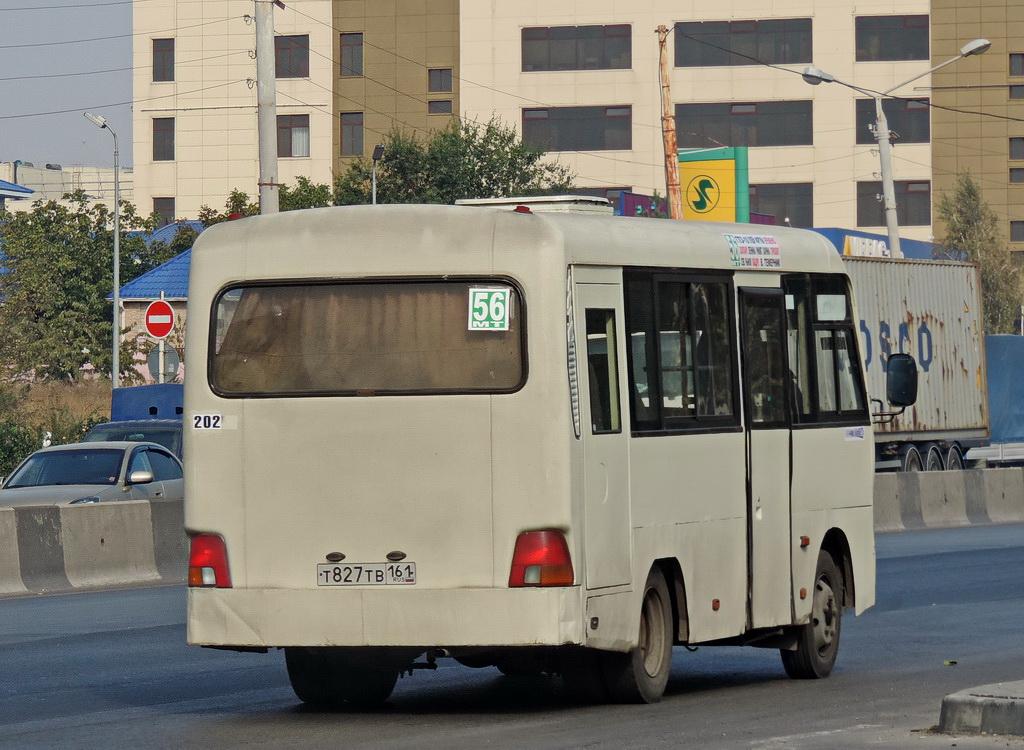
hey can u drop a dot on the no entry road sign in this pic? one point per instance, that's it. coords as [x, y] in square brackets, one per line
[159, 319]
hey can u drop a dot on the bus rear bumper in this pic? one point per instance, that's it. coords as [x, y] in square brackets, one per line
[371, 617]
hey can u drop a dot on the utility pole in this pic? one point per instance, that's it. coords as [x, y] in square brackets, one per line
[668, 131]
[266, 105]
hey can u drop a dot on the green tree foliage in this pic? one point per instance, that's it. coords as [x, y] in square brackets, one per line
[465, 160]
[972, 232]
[306, 194]
[237, 206]
[56, 318]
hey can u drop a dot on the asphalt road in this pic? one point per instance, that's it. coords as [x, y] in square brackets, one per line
[111, 670]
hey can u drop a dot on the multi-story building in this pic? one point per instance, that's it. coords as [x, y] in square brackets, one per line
[580, 79]
[978, 120]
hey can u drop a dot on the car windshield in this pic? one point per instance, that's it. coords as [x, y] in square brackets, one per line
[87, 466]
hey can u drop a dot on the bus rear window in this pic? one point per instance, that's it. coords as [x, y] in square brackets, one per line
[368, 338]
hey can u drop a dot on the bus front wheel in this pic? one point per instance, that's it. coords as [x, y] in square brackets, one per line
[818, 640]
[331, 676]
[641, 675]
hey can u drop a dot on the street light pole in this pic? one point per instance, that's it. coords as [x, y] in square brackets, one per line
[115, 367]
[814, 76]
[378, 154]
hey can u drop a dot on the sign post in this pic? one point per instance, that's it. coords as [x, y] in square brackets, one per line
[159, 322]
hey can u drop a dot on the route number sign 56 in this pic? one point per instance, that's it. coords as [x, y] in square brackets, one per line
[488, 308]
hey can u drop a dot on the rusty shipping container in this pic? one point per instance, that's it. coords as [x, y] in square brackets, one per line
[932, 311]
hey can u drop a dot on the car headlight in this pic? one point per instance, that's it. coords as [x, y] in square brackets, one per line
[84, 500]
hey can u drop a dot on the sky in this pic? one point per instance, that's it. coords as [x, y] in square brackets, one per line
[58, 59]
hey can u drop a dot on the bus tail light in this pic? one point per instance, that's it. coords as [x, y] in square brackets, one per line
[541, 558]
[208, 562]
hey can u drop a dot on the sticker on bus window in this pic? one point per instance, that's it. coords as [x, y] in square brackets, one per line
[855, 433]
[489, 308]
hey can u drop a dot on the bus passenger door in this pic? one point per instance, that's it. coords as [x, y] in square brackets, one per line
[607, 534]
[768, 457]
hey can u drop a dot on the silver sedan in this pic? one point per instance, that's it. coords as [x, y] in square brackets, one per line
[94, 472]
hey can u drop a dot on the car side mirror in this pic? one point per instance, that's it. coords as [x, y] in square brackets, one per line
[140, 477]
[901, 380]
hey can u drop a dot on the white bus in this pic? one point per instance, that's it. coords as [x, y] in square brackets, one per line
[540, 442]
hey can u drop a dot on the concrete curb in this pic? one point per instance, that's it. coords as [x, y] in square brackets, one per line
[989, 709]
[63, 548]
[946, 499]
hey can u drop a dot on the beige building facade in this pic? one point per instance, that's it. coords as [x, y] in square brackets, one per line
[978, 125]
[581, 80]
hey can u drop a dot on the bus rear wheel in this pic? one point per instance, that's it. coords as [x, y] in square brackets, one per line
[818, 640]
[641, 675]
[330, 677]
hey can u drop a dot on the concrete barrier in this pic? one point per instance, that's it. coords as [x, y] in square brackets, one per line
[143, 542]
[91, 546]
[945, 499]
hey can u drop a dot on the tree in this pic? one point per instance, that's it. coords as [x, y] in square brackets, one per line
[236, 206]
[56, 317]
[972, 233]
[306, 194]
[465, 160]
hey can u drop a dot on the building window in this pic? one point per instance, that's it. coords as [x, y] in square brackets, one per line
[1017, 176]
[577, 48]
[750, 124]
[1017, 231]
[439, 80]
[1017, 148]
[291, 54]
[351, 133]
[293, 135]
[1017, 92]
[164, 208]
[716, 43]
[892, 38]
[579, 128]
[909, 118]
[163, 59]
[351, 55]
[163, 139]
[1017, 64]
[439, 107]
[913, 204]
[791, 203]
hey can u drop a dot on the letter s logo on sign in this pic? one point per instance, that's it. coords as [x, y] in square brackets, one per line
[703, 194]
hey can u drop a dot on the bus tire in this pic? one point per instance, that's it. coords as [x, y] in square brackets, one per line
[818, 640]
[331, 676]
[640, 676]
[933, 458]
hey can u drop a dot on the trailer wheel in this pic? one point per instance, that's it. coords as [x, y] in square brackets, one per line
[933, 458]
[818, 641]
[910, 459]
[954, 459]
[641, 675]
[331, 676]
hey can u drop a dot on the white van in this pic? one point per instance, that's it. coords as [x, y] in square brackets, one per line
[538, 441]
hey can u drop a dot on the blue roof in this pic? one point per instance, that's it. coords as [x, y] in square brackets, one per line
[13, 190]
[171, 277]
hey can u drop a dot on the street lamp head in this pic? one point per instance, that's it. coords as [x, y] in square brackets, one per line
[98, 120]
[378, 152]
[814, 76]
[975, 47]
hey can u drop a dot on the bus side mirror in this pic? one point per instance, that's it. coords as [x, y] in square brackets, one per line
[901, 380]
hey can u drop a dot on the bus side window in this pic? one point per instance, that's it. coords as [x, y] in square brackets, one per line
[602, 366]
